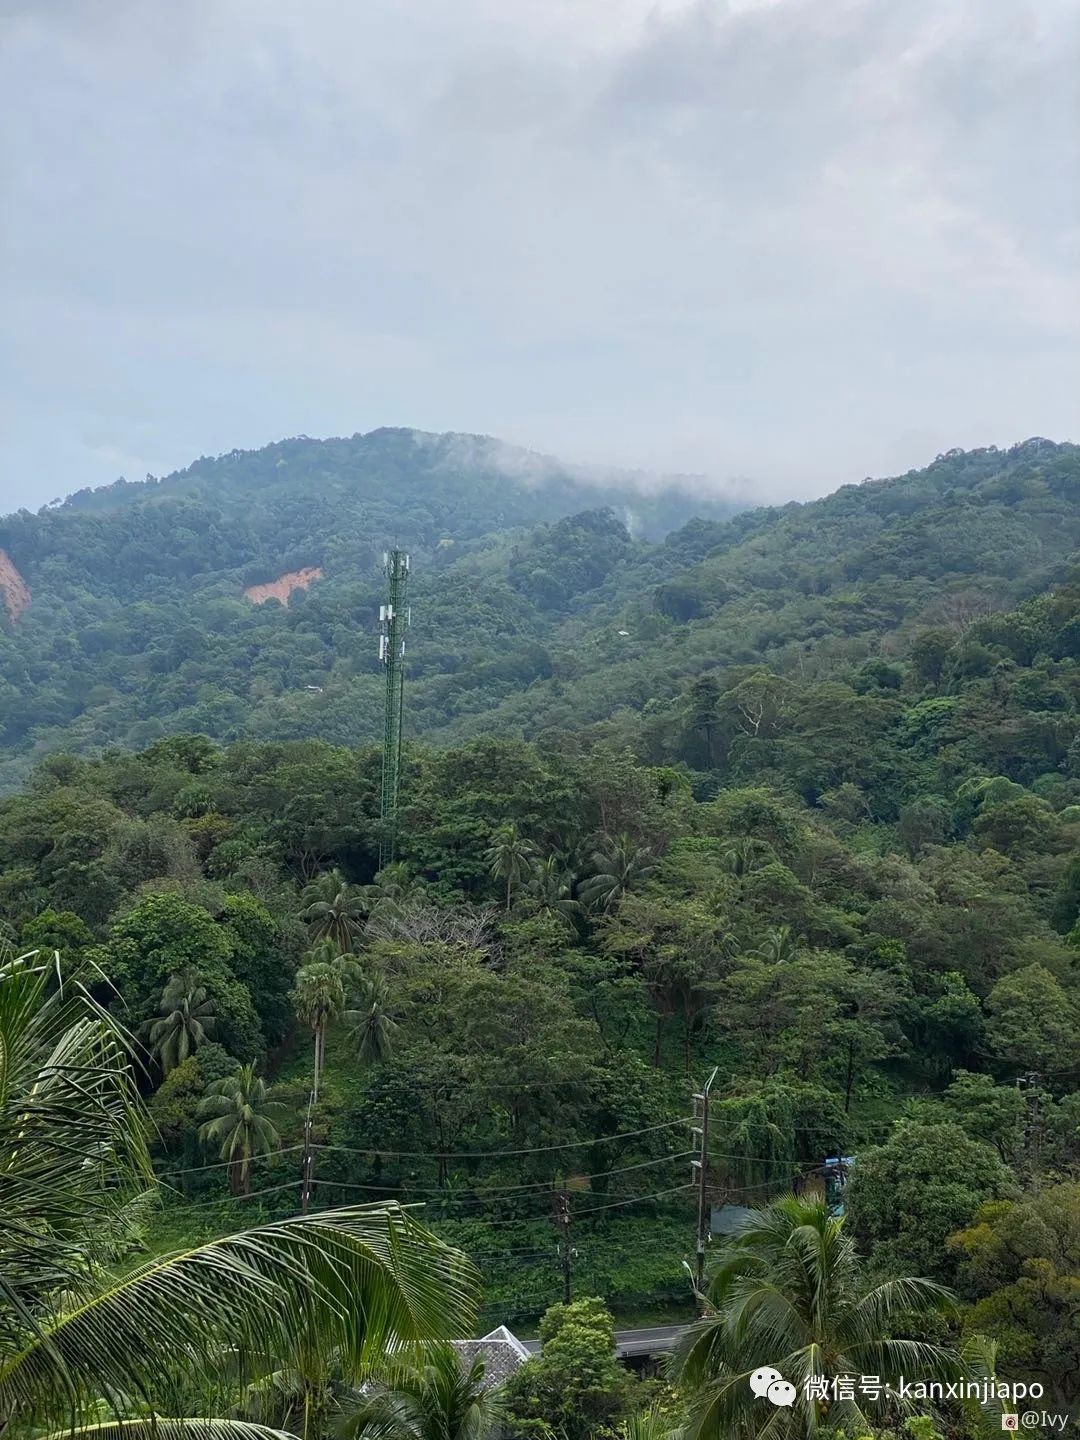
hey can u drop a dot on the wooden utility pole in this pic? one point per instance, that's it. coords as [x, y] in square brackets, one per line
[701, 1167]
[562, 1220]
[307, 1182]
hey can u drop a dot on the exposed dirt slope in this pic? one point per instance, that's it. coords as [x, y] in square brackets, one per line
[14, 590]
[283, 586]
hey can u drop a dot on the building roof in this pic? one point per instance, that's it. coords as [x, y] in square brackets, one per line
[501, 1351]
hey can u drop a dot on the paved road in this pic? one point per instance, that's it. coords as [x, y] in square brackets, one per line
[631, 1344]
[653, 1341]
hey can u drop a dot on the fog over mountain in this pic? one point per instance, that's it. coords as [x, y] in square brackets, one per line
[780, 239]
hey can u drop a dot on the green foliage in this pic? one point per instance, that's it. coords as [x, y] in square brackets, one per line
[1020, 1262]
[238, 1118]
[906, 1197]
[795, 796]
[91, 1338]
[575, 1385]
[166, 935]
[149, 578]
[787, 1292]
[1032, 1021]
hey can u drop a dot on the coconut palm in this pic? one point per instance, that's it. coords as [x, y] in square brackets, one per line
[185, 1019]
[744, 855]
[370, 1027]
[778, 946]
[343, 963]
[90, 1348]
[551, 886]
[318, 996]
[388, 895]
[617, 865]
[439, 1398]
[787, 1293]
[303, 1398]
[239, 1119]
[509, 858]
[334, 910]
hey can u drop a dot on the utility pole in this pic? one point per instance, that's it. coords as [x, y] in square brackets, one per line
[307, 1182]
[562, 1220]
[700, 1167]
[393, 622]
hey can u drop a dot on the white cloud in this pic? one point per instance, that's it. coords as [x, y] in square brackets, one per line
[801, 240]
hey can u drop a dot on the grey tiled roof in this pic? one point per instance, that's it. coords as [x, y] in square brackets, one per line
[501, 1351]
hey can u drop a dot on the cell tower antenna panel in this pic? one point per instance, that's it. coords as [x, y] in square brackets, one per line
[394, 619]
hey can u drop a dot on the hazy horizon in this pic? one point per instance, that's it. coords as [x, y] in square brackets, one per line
[741, 489]
[790, 243]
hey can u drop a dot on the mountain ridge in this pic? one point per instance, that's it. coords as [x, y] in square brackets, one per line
[532, 613]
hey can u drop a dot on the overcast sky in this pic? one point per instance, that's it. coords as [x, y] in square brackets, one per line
[799, 241]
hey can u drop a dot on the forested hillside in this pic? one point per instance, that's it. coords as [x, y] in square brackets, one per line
[813, 819]
[138, 626]
[131, 610]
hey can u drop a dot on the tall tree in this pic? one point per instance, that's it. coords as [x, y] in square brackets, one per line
[185, 1019]
[551, 885]
[509, 858]
[239, 1118]
[617, 865]
[907, 1196]
[575, 1385]
[334, 910]
[318, 997]
[787, 1292]
[370, 1025]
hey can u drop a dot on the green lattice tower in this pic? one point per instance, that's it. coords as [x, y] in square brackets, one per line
[393, 622]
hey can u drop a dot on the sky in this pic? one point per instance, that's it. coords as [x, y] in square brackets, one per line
[791, 242]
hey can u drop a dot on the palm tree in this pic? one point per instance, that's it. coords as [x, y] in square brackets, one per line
[440, 1398]
[389, 893]
[92, 1349]
[509, 857]
[778, 946]
[744, 855]
[185, 1019]
[318, 996]
[649, 1425]
[241, 1123]
[617, 865]
[343, 963]
[334, 910]
[786, 1293]
[551, 885]
[371, 1028]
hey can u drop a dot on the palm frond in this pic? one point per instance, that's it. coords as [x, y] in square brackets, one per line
[361, 1279]
[169, 1427]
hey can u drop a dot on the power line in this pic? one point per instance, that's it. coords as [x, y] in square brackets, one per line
[489, 1257]
[222, 1164]
[499, 1154]
[763, 1184]
[524, 1191]
[225, 1199]
[635, 1200]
